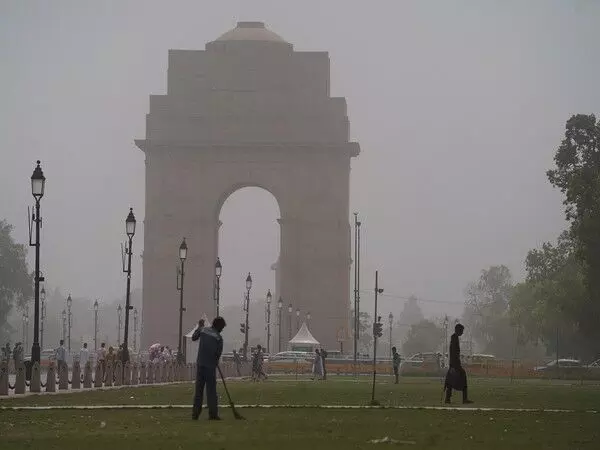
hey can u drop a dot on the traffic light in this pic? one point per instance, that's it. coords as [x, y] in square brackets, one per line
[243, 328]
[377, 329]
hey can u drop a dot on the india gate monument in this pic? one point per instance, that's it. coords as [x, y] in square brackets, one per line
[247, 111]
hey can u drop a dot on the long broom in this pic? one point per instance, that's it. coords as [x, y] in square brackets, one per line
[236, 414]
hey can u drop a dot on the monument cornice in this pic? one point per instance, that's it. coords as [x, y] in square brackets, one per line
[352, 149]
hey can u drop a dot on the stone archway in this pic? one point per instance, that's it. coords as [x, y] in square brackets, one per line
[247, 111]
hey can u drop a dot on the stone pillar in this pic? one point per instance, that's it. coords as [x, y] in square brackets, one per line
[87, 375]
[51, 378]
[36, 380]
[20, 381]
[3, 378]
[63, 377]
[118, 373]
[99, 377]
[127, 374]
[108, 376]
[143, 378]
[76, 376]
[150, 375]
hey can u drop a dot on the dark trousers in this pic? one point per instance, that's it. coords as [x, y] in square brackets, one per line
[456, 378]
[206, 376]
[396, 374]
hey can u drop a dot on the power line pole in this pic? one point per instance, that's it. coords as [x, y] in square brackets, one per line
[377, 332]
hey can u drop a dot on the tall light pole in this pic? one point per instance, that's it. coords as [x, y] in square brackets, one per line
[297, 319]
[135, 329]
[70, 316]
[181, 275]
[95, 325]
[43, 316]
[38, 184]
[268, 311]
[356, 324]
[247, 309]
[279, 308]
[446, 361]
[218, 271]
[391, 323]
[376, 334]
[130, 230]
[64, 320]
[290, 309]
[120, 322]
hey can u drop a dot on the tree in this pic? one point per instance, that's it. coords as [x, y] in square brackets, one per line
[487, 310]
[15, 280]
[577, 175]
[424, 336]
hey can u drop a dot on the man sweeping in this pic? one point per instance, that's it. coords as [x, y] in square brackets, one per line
[456, 378]
[210, 348]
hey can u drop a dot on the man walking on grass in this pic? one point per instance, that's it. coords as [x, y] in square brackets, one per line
[210, 348]
[456, 378]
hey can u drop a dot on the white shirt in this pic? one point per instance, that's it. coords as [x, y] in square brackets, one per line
[61, 354]
[84, 356]
[101, 354]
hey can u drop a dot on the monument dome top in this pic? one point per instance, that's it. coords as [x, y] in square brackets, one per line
[250, 31]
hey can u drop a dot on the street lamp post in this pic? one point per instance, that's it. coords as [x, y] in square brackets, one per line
[391, 322]
[290, 309]
[268, 308]
[376, 334]
[279, 308]
[308, 320]
[218, 271]
[43, 316]
[247, 309]
[69, 303]
[181, 275]
[446, 360]
[119, 325]
[297, 319]
[130, 223]
[38, 184]
[135, 327]
[95, 325]
[64, 320]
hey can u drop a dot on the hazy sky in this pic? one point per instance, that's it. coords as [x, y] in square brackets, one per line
[458, 107]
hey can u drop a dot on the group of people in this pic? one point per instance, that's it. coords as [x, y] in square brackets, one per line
[319, 368]
[16, 354]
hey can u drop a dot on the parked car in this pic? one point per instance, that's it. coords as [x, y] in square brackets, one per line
[564, 366]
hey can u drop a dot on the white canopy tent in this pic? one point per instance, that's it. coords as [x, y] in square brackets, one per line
[304, 341]
[190, 347]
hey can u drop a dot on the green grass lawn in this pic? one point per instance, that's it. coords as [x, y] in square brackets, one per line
[344, 391]
[297, 429]
[313, 428]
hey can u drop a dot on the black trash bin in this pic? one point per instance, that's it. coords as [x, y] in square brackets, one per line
[28, 366]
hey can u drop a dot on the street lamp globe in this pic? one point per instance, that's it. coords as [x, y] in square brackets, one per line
[69, 301]
[38, 182]
[119, 309]
[248, 282]
[64, 315]
[308, 316]
[43, 294]
[297, 312]
[130, 223]
[391, 318]
[269, 297]
[218, 268]
[96, 305]
[280, 303]
[183, 250]
[290, 308]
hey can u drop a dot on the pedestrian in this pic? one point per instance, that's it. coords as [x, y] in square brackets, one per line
[456, 377]
[61, 356]
[120, 353]
[6, 353]
[84, 356]
[323, 365]
[101, 358]
[257, 364]
[396, 364]
[210, 349]
[317, 368]
[238, 363]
